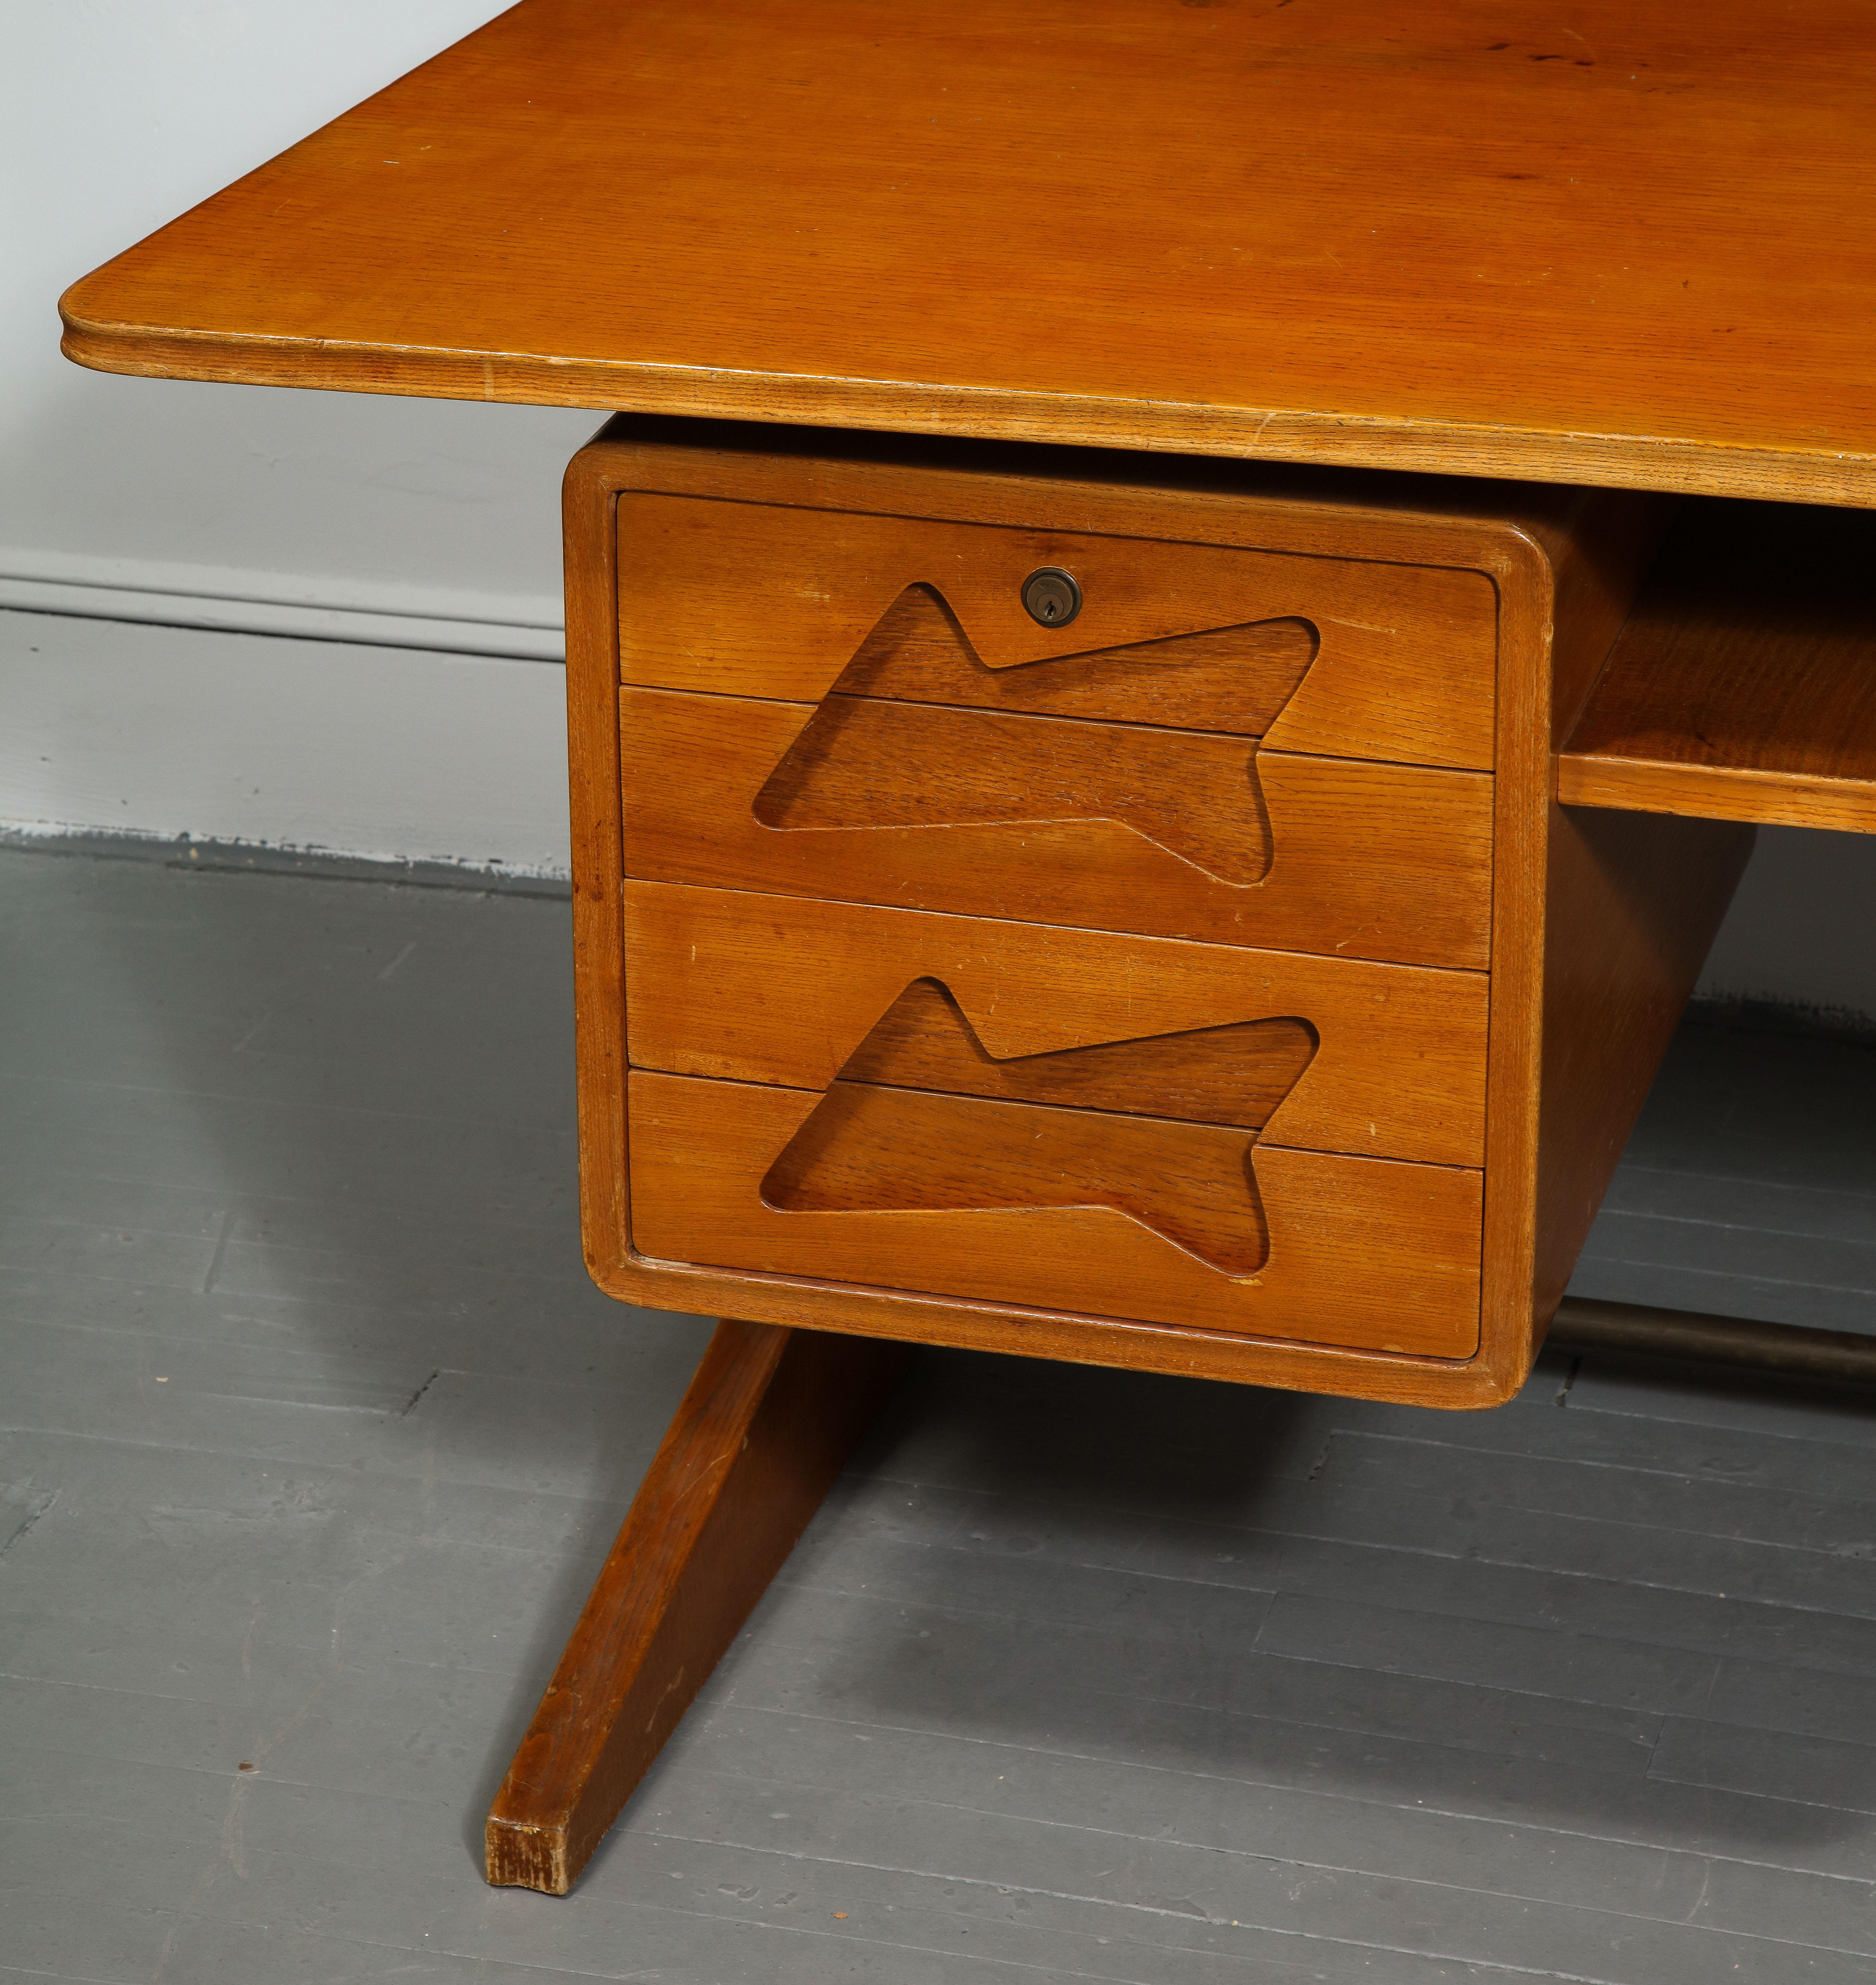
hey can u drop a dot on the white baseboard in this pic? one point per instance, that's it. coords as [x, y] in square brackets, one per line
[383, 753]
[328, 608]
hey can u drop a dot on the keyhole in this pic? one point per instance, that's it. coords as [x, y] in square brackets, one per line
[1051, 597]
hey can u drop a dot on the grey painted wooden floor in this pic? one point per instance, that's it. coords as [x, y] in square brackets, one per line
[315, 1433]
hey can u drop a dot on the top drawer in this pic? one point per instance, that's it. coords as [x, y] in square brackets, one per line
[1215, 743]
[1353, 658]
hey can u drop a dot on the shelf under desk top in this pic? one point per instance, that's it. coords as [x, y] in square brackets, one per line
[1631, 242]
[1743, 685]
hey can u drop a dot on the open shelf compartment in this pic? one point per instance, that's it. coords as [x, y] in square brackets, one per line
[1743, 687]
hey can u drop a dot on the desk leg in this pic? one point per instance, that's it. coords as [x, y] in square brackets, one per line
[766, 1425]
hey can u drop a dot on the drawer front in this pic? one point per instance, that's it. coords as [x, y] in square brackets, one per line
[1326, 1054]
[1094, 1124]
[1325, 656]
[1092, 1212]
[1059, 820]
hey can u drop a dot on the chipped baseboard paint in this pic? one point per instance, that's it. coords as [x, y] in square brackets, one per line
[255, 858]
[258, 742]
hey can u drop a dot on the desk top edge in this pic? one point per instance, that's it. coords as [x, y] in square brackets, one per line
[1324, 438]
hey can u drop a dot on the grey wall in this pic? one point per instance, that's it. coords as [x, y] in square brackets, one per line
[1802, 930]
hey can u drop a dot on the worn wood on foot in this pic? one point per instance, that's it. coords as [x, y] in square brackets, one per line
[766, 1426]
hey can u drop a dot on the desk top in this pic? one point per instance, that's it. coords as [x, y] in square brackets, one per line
[1632, 244]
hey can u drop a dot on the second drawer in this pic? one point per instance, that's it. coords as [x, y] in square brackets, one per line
[1172, 832]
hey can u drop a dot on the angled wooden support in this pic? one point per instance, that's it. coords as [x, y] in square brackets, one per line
[766, 1425]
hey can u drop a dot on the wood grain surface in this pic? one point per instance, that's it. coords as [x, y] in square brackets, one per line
[1377, 861]
[1560, 613]
[758, 599]
[1236, 1073]
[1362, 1252]
[786, 991]
[1743, 687]
[1160, 1129]
[1635, 247]
[864, 1148]
[860, 762]
[764, 1427]
[1633, 902]
[979, 745]
[1230, 679]
[589, 535]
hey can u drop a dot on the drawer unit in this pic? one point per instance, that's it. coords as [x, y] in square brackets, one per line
[1111, 911]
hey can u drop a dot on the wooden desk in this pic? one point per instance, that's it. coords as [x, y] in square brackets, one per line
[1084, 843]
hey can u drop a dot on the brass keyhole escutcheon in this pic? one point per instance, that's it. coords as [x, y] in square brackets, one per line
[1050, 596]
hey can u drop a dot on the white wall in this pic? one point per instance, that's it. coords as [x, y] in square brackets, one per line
[114, 117]
[424, 533]
[426, 526]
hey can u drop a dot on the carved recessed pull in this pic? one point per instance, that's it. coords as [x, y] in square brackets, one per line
[1161, 736]
[1160, 1128]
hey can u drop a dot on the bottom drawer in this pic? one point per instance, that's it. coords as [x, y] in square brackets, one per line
[1089, 1212]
